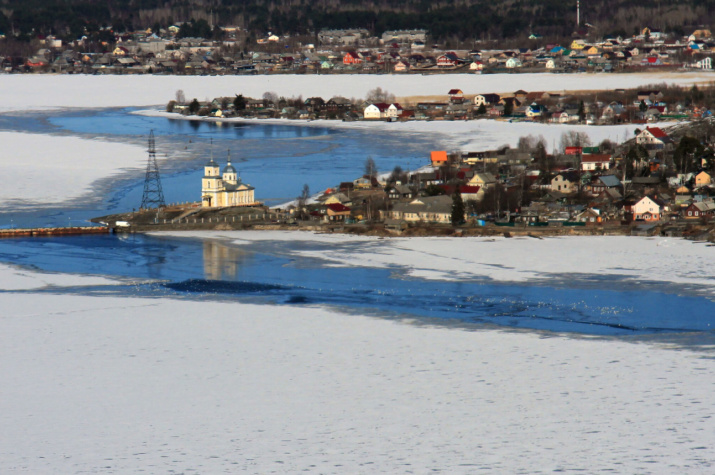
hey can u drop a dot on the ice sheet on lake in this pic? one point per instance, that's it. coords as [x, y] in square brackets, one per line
[123, 385]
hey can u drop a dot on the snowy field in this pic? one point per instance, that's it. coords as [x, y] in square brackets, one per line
[46, 91]
[130, 385]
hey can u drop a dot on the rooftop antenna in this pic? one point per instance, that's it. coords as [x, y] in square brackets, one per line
[153, 196]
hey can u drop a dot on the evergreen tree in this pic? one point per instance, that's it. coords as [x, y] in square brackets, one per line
[194, 107]
[482, 109]
[239, 103]
[508, 108]
[457, 208]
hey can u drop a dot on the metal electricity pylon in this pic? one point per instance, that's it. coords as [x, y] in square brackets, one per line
[153, 196]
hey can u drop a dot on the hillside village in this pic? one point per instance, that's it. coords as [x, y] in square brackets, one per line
[657, 181]
[352, 51]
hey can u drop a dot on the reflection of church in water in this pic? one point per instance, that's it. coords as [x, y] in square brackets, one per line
[220, 190]
[222, 262]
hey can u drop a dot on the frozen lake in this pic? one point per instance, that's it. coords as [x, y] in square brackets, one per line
[276, 159]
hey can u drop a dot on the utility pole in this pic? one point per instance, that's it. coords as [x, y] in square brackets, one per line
[153, 196]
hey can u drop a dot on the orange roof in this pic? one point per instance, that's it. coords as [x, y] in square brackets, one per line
[438, 156]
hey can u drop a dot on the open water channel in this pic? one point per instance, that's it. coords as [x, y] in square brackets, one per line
[278, 160]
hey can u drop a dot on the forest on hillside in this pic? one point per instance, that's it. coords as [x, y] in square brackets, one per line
[456, 20]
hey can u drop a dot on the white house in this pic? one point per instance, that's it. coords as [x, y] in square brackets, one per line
[647, 209]
[376, 111]
[513, 63]
[565, 183]
[552, 63]
[652, 136]
[595, 161]
[486, 99]
[394, 111]
[705, 63]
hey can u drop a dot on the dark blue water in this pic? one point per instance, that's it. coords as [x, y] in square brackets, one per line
[278, 160]
[209, 269]
[123, 122]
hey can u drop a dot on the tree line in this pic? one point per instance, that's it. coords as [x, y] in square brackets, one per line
[457, 20]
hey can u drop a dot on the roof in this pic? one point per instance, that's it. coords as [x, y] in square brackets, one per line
[454, 92]
[338, 208]
[610, 180]
[435, 204]
[381, 106]
[440, 156]
[656, 132]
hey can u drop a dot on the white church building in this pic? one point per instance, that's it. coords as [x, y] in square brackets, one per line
[224, 189]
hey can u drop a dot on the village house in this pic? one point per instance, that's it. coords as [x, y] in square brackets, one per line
[648, 208]
[471, 193]
[448, 60]
[596, 161]
[426, 209]
[486, 99]
[456, 96]
[702, 179]
[376, 111]
[439, 158]
[699, 210]
[566, 182]
[399, 191]
[483, 180]
[605, 182]
[337, 212]
[653, 137]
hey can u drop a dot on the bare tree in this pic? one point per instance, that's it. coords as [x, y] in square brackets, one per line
[270, 97]
[303, 200]
[370, 167]
[180, 97]
[574, 139]
[526, 144]
[379, 95]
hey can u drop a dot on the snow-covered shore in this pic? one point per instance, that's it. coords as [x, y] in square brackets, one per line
[471, 135]
[122, 385]
[47, 91]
